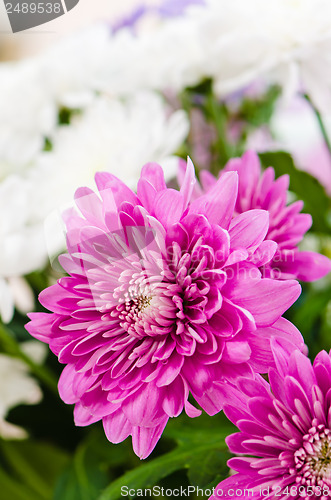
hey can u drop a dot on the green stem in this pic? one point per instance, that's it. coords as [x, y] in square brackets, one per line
[11, 347]
[320, 123]
[83, 481]
[217, 115]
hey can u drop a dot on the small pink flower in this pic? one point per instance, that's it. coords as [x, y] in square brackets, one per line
[285, 429]
[287, 226]
[164, 297]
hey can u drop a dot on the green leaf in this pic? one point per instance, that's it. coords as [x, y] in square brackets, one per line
[13, 490]
[35, 466]
[203, 470]
[86, 475]
[66, 114]
[195, 444]
[305, 186]
[258, 111]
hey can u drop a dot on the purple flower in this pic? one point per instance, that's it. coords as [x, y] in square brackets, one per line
[166, 9]
[164, 297]
[287, 226]
[285, 428]
[175, 8]
[131, 19]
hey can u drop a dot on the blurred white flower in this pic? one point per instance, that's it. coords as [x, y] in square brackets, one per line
[18, 387]
[22, 247]
[114, 135]
[14, 292]
[167, 57]
[282, 41]
[28, 114]
[32, 92]
[72, 66]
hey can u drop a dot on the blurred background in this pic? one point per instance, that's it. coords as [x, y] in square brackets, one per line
[30, 42]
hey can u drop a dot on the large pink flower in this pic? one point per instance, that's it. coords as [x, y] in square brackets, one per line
[164, 297]
[285, 431]
[287, 226]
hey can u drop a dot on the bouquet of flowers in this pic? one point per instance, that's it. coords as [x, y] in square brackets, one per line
[165, 226]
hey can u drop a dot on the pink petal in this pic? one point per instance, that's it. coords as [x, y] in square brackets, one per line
[174, 398]
[236, 352]
[150, 183]
[153, 173]
[188, 184]
[227, 488]
[249, 229]
[267, 299]
[170, 370]
[142, 409]
[262, 357]
[169, 207]
[305, 266]
[212, 401]
[144, 439]
[147, 194]
[65, 385]
[40, 326]
[83, 417]
[264, 253]
[117, 427]
[119, 190]
[90, 205]
[191, 411]
[218, 204]
[249, 170]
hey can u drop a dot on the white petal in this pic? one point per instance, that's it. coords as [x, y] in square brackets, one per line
[6, 302]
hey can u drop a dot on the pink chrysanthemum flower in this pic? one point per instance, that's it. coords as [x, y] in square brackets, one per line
[287, 226]
[285, 428]
[164, 297]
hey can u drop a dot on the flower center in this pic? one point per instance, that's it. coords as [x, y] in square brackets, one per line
[139, 303]
[144, 304]
[313, 460]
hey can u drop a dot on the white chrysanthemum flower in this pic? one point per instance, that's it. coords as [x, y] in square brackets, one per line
[14, 292]
[22, 248]
[33, 91]
[18, 387]
[28, 113]
[283, 41]
[169, 57]
[72, 66]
